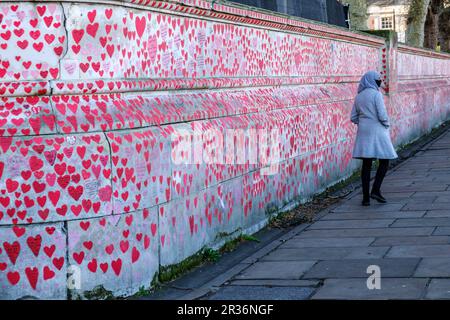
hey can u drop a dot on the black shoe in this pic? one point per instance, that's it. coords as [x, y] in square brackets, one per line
[378, 197]
[366, 202]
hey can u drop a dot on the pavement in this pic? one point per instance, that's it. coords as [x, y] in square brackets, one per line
[397, 250]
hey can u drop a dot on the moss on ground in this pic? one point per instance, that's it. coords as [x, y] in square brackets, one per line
[99, 293]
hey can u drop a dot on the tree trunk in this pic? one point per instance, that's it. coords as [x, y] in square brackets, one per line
[358, 14]
[416, 22]
[444, 30]
[432, 24]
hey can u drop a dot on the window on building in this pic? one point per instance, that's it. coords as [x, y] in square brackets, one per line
[387, 23]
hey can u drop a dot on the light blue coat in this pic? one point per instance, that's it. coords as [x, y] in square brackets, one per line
[369, 113]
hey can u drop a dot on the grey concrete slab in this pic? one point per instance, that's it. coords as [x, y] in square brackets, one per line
[437, 214]
[431, 194]
[276, 270]
[400, 195]
[433, 268]
[373, 216]
[421, 222]
[377, 232]
[408, 174]
[414, 206]
[262, 293]
[307, 254]
[276, 283]
[391, 199]
[438, 289]
[441, 179]
[420, 251]
[367, 253]
[443, 170]
[416, 187]
[421, 240]
[300, 242]
[376, 207]
[391, 288]
[326, 253]
[442, 231]
[357, 268]
[350, 224]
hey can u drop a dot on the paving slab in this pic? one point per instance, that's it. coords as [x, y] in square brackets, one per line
[431, 194]
[357, 268]
[417, 187]
[375, 207]
[422, 240]
[438, 289]
[300, 242]
[391, 199]
[422, 222]
[425, 206]
[356, 289]
[276, 283]
[433, 268]
[373, 216]
[262, 293]
[326, 253]
[442, 231]
[276, 270]
[350, 224]
[367, 253]
[376, 232]
[437, 214]
[420, 251]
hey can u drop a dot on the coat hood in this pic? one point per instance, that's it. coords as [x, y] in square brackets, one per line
[368, 81]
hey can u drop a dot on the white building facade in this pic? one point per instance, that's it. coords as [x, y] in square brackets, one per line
[388, 15]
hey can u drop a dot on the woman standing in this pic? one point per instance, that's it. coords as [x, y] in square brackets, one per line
[372, 139]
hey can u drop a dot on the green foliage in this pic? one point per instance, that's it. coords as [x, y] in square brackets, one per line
[211, 255]
[232, 244]
[206, 255]
[246, 237]
[172, 272]
[387, 34]
[99, 293]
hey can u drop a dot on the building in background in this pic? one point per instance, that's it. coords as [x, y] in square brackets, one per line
[389, 15]
[328, 11]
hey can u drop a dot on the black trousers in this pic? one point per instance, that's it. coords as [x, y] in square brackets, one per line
[365, 175]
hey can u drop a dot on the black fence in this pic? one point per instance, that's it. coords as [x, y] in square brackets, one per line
[328, 11]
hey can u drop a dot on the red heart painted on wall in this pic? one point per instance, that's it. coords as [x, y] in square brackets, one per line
[12, 250]
[92, 265]
[58, 262]
[140, 24]
[13, 277]
[49, 250]
[48, 273]
[34, 243]
[117, 266]
[135, 254]
[78, 256]
[32, 275]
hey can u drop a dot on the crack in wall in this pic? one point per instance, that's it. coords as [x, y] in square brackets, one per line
[65, 44]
